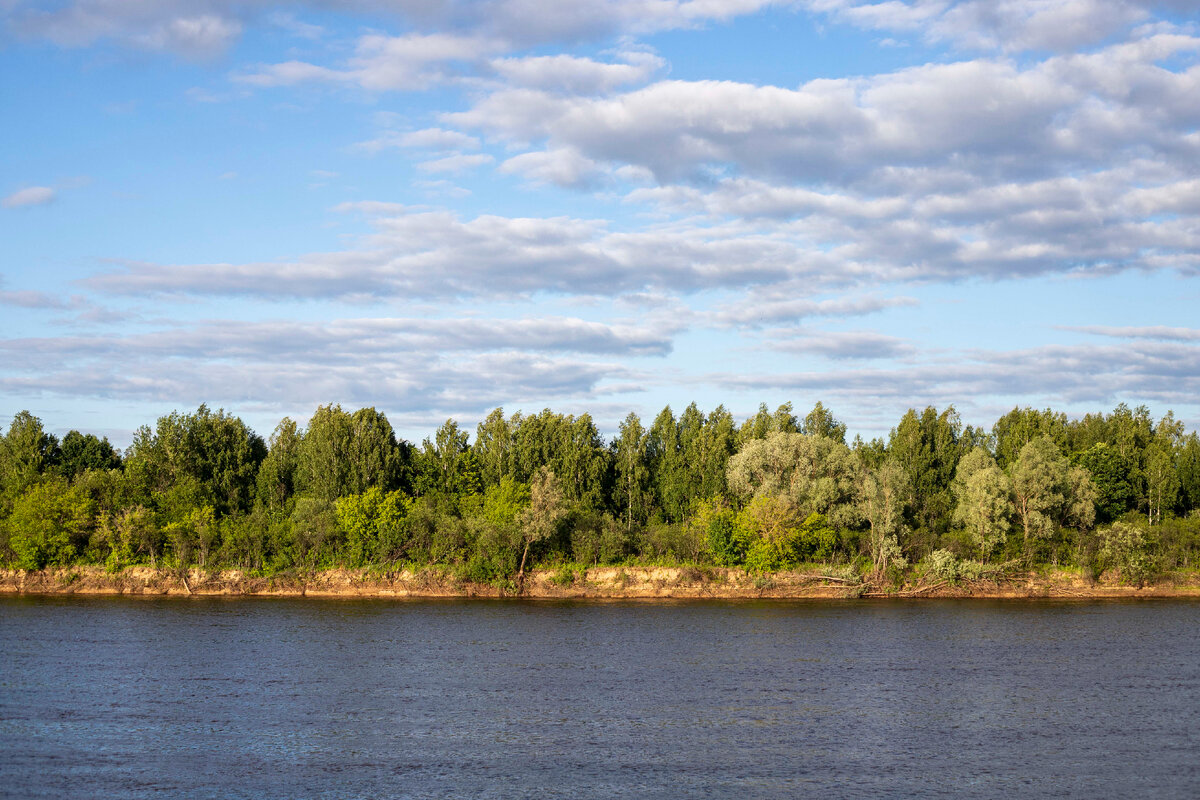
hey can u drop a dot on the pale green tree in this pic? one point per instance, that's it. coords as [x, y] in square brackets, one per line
[1039, 481]
[817, 474]
[984, 496]
[1130, 549]
[546, 511]
[882, 494]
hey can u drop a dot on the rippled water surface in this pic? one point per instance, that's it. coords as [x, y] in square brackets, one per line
[266, 698]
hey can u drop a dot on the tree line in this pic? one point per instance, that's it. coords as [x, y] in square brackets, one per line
[1117, 490]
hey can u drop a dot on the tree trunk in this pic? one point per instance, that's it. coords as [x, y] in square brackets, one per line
[521, 571]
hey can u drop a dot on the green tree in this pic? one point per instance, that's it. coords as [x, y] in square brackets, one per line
[1189, 473]
[26, 451]
[50, 523]
[323, 455]
[376, 459]
[1040, 487]
[547, 509]
[1113, 474]
[882, 502]
[633, 474]
[984, 495]
[83, 451]
[1162, 481]
[373, 525]
[820, 422]
[927, 447]
[277, 474]
[1021, 426]
[216, 451]
[493, 448]
[1130, 549]
[818, 475]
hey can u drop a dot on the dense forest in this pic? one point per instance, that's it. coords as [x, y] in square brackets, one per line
[1112, 491]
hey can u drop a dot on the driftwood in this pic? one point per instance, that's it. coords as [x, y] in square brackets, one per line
[834, 578]
[910, 593]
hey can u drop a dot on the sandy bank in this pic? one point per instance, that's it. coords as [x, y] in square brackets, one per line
[596, 582]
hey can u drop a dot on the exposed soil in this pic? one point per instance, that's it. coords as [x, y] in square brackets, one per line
[596, 582]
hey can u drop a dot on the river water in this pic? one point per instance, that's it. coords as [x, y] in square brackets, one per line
[303, 698]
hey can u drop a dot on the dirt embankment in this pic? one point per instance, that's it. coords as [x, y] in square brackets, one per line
[595, 582]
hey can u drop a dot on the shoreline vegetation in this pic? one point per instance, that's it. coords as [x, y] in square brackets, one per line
[694, 505]
[576, 582]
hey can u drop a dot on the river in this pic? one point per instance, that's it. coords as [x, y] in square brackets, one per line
[302, 698]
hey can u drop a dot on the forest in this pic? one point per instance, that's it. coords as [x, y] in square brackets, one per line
[1113, 492]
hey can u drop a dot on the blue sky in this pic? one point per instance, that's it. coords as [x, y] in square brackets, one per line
[437, 208]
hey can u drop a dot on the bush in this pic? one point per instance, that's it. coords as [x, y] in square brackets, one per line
[943, 565]
[1131, 550]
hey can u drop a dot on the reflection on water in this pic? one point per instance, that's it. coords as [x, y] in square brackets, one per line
[263, 698]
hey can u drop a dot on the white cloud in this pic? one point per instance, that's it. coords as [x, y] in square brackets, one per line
[840, 345]
[562, 167]
[1154, 332]
[200, 36]
[29, 196]
[785, 303]
[990, 118]
[385, 63]
[575, 75]
[436, 254]
[1008, 25]
[459, 162]
[414, 364]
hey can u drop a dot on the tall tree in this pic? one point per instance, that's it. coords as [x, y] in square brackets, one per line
[26, 451]
[1114, 476]
[984, 496]
[818, 475]
[214, 456]
[633, 474]
[547, 509]
[83, 451]
[1022, 425]
[821, 422]
[1189, 473]
[927, 448]
[277, 474]
[882, 500]
[493, 448]
[1048, 491]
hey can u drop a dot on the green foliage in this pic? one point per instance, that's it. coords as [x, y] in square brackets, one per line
[820, 422]
[882, 492]
[373, 524]
[1129, 549]
[80, 452]
[1021, 426]
[985, 506]
[725, 541]
[942, 565]
[927, 448]
[26, 451]
[1114, 476]
[203, 490]
[342, 454]
[216, 454]
[49, 523]
[817, 475]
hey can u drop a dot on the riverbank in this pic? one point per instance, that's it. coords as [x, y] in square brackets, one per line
[595, 582]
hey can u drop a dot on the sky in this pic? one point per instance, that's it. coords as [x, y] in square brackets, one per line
[438, 207]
